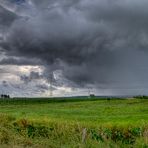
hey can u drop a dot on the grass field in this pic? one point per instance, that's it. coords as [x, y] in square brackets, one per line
[66, 123]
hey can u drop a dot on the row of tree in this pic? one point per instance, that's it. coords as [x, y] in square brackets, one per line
[4, 96]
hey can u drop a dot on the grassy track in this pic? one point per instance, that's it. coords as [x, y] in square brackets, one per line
[75, 123]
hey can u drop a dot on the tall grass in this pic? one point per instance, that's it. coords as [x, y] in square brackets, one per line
[25, 133]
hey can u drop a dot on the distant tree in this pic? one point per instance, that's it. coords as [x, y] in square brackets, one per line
[4, 96]
[92, 95]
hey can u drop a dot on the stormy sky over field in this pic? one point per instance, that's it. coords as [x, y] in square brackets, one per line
[100, 45]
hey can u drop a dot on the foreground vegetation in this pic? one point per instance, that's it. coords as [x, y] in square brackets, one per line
[74, 123]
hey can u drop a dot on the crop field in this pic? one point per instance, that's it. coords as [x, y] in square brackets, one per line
[74, 123]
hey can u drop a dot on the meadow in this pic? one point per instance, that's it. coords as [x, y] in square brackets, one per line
[74, 123]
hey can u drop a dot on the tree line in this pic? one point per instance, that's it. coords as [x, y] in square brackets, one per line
[4, 96]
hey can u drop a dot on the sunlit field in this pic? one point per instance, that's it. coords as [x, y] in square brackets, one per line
[74, 123]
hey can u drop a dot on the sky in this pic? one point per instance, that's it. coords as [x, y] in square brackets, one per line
[73, 47]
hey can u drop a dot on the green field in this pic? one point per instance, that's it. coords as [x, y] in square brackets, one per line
[78, 123]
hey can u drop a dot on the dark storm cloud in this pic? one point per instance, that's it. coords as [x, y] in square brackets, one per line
[99, 42]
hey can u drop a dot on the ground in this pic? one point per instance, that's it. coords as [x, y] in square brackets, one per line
[74, 122]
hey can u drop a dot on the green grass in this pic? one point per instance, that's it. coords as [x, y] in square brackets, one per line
[62, 122]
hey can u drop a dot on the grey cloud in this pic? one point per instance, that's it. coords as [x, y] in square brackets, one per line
[5, 84]
[20, 61]
[6, 17]
[42, 87]
[32, 76]
[45, 87]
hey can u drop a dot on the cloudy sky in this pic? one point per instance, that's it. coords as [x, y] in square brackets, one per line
[77, 45]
